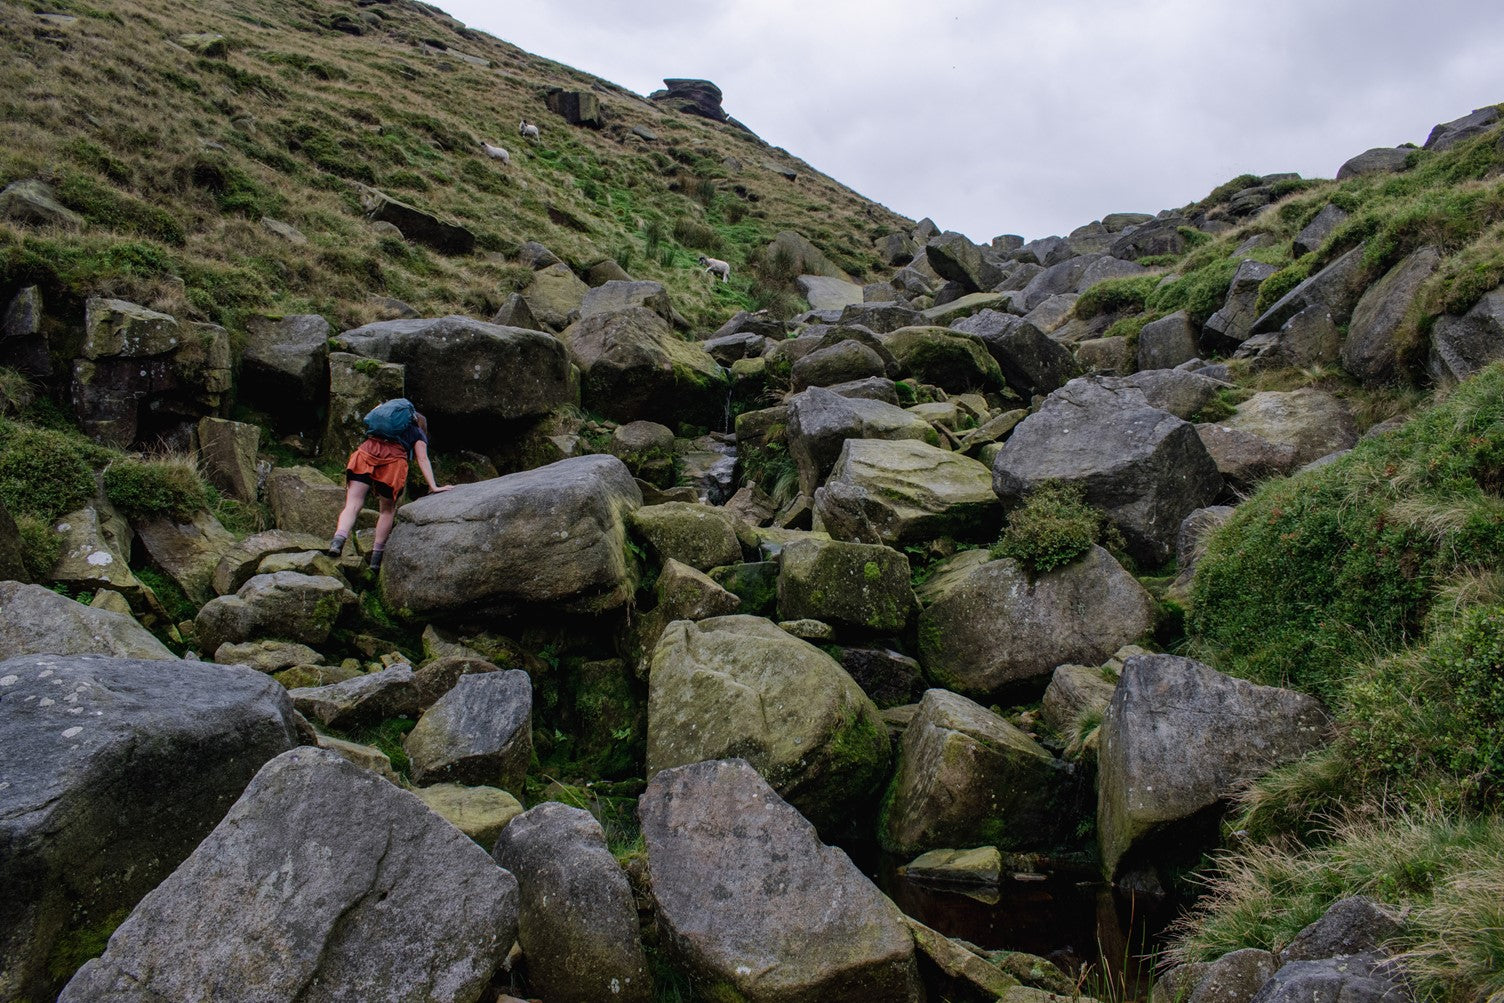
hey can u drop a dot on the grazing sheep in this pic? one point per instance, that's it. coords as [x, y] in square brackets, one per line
[527, 130]
[496, 152]
[715, 266]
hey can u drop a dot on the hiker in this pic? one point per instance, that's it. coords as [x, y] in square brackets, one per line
[395, 434]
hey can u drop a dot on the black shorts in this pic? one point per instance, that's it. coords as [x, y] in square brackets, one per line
[382, 490]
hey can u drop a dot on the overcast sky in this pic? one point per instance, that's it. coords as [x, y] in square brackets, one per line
[1000, 116]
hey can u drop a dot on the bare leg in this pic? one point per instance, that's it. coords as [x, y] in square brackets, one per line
[384, 520]
[355, 497]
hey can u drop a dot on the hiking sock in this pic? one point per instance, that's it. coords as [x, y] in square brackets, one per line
[336, 546]
[376, 559]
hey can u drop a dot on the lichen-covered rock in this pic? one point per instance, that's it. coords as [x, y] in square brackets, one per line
[1074, 692]
[633, 367]
[467, 369]
[820, 421]
[188, 551]
[479, 812]
[303, 500]
[740, 686]
[754, 907]
[361, 700]
[701, 536]
[555, 536]
[953, 360]
[315, 867]
[285, 605]
[906, 491]
[1176, 739]
[578, 922]
[988, 628]
[855, 586]
[38, 621]
[240, 562]
[1460, 346]
[283, 365]
[356, 384]
[478, 733]
[1312, 421]
[111, 772]
[968, 778]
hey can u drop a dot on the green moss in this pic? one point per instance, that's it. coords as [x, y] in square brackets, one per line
[41, 546]
[387, 736]
[173, 599]
[1114, 295]
[1200, 293]
[74, 947]
[871, 571]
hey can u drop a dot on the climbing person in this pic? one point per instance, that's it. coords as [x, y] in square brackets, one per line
[395, 434]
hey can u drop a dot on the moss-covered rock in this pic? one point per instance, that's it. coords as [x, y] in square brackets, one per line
[855, 586]
[739, 686]
[968, 778]
[700, 536]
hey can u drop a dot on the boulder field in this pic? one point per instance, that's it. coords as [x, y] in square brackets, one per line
[700, 610]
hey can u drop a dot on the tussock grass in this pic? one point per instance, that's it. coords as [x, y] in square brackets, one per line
[1447, 870]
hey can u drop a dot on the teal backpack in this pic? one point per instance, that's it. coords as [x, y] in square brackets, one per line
[390, 419]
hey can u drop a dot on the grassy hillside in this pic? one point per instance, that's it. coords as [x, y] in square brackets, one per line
[175, 148]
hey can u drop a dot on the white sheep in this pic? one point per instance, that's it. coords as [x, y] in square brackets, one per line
[527, 130]
[496, 152]
[715, 266]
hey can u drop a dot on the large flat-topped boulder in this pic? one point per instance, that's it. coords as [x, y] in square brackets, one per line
[462, 367]
[906, 491]
[755, 907]
[1312, 422]
[324, 882]
[1144, 468]
[554, 536]
[111, 772]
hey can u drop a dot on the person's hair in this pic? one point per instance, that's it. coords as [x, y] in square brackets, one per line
[421, 421]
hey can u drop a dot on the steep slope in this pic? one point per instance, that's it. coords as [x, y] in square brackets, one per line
[177, 130]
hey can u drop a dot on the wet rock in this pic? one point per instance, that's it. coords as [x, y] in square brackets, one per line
[967, 778]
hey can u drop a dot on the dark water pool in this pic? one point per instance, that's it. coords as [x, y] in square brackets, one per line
[1072, 920]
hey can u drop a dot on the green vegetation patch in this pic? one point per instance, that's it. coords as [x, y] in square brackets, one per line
[1316, 570]
[43, 472]
[1054, 527]
[1115, 295]
[147, 489]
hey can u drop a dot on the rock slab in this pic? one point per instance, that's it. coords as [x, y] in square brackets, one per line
[311, 890]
